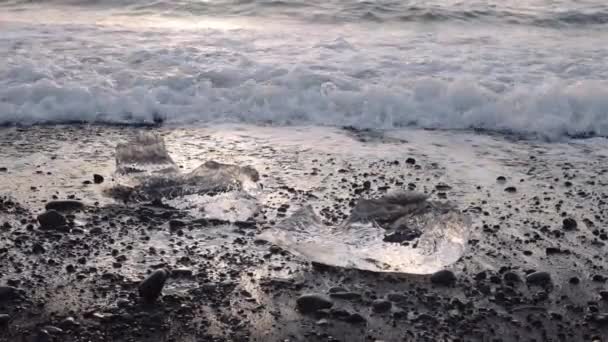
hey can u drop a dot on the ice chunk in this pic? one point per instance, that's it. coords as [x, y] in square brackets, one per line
[145, 171]
[433, 235]
[146, 153]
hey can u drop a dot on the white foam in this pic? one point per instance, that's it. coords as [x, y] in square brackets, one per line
[332, 77]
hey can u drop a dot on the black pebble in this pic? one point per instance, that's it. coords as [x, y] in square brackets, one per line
[539, 278]
[66, 205]
[380, 305]
[443, 277]
[51, 219]
[569, 224]
[97, 179]
[313, 302]
[151, 288]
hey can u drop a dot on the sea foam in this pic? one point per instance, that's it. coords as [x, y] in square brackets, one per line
[300, 76]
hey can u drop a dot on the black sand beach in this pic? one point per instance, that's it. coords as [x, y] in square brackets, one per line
[534, 268]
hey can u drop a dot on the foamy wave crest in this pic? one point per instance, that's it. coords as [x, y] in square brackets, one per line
[30, 95]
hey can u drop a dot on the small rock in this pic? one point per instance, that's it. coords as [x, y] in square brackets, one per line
[53, 330]
[97, 179]
[43, 336]
[313, 302]
[151, 288]
[401, 236]
[604, 295]
[410, 161]
[322, 322]
[345, 295]
[396, 297]
[37, 248]
[574, 281]
[380, 305]
[511, 189]
[65, 205]
[274, 249]
[336, 289]
[569, 224]
[511, 277]
[8, 292]
[69, 323]
[540, 278]
[442, 187]
[96, 231]
[501, 179]
[3, 169]
[443, 277]
[4, 319]
[51, 219]
[181, 273]
[176, 224]
[355, 318]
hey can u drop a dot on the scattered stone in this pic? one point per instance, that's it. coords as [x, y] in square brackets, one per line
[53, 330]
[574, 281]
[569, 224]
[8, 293]
[4, 319]
[442, 187]
[501, 179]
[3, 169]
[309, 303]
[355, 318]
[37, 248]
[380, 305]
[401, 236]
[511, 189]
[150, 289]
[511, 277]
[69, 323]
[97, 179]
[43, 336]
[540, 278]
[410, 161]
[443, 277]
[181, 272]
[51, 219]
[176, 224]
[346, 295]
[64, 205]
[396, 297]
[336, 289]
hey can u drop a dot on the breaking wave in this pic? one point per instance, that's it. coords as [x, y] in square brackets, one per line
[299, 97]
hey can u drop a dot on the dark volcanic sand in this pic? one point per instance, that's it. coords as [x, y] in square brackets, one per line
[80, 282]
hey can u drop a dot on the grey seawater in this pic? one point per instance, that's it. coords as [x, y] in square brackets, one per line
[532, 68]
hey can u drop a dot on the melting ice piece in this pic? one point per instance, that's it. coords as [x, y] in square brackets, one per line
[146, 153]
[361, 241]
[145, 172]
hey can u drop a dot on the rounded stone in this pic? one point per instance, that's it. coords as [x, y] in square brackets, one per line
[64, 205]
[380, 305]
[313, 302]
[51, 219]
[443, 277]
[151, 288]
[540, 278]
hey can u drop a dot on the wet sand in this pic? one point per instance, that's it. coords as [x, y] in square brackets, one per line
[81, 283]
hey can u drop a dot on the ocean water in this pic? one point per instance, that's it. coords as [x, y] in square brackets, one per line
[527, 67]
